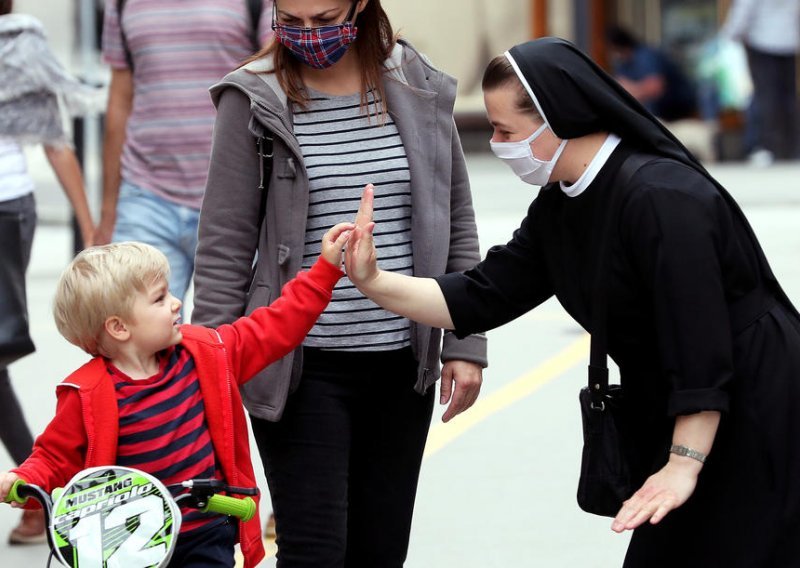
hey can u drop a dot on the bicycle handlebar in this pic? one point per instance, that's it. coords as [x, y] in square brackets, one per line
[21, 491]
[241, 508]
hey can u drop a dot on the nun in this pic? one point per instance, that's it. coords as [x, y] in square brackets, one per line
[707, 342]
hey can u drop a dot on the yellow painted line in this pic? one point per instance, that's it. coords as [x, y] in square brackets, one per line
[443, 434]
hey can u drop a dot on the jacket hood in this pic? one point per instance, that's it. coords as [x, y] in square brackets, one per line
[13, 24]
[576, 97]
[36, 93]
[269, 106]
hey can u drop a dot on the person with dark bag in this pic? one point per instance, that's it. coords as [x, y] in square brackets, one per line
[708, 345]
[36, 94]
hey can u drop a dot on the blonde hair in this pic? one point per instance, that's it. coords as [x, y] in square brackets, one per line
[102, 282]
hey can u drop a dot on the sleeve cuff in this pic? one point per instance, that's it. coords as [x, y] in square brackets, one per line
[325, 274]
[697, 400]
[452, 287]
[472, 348]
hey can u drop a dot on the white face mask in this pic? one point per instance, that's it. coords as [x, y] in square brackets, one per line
[519, 156]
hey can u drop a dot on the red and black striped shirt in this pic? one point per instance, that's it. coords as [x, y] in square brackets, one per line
[162, 427]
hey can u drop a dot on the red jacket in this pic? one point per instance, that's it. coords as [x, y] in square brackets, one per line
[84, 431]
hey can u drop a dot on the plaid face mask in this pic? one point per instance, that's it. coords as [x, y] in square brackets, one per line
[318, 47]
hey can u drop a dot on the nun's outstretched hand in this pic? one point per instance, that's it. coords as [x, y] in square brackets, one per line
[665, 490]
[361, 259]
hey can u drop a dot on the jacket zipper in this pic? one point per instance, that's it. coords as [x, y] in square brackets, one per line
[229, 431]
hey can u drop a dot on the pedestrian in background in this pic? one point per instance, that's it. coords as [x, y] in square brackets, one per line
[707, 342]
[35, 95]
[341, 423]
[770, 32]
[651, 76]
[164, 55]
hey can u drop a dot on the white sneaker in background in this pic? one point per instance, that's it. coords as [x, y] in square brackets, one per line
[760, 158]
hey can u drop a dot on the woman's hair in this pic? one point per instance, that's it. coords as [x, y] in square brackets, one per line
[500, 73]
[374, 42]
[6, 6]
[102, 282]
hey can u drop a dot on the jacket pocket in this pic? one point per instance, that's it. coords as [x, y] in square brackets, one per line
[286, 168]
[260, 295]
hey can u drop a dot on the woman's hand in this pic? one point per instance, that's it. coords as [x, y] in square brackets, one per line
[334, 240]
[665, 490]
[461, 385]
[361, 261]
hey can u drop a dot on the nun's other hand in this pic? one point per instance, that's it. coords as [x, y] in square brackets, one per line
[665, 490]
[461, 385]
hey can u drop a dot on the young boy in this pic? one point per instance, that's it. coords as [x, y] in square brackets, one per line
[163, 397]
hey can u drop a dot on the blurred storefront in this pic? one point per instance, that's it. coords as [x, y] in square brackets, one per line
[461, 36]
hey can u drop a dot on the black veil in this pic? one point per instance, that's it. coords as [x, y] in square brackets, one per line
[576, 97]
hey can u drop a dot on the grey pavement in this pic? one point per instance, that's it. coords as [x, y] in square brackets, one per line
[502, 492]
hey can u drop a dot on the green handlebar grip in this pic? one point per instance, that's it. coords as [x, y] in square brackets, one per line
[13, 495]
[243, 509]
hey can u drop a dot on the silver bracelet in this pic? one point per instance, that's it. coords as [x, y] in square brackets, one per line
[688, 452]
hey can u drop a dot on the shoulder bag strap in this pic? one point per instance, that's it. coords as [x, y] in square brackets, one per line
[606, 220]
[265, 152]
[128, 55]
[254, 9]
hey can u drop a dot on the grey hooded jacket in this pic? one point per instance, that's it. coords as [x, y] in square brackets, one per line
[249, 100]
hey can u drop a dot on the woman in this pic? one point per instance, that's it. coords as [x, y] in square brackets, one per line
[341, 423]
[707, 343]
[34, 92]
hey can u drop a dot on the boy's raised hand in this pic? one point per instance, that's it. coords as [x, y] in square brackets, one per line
[7, 479]
[334, 240]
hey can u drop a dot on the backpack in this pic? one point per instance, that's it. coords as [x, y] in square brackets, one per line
[254, 9]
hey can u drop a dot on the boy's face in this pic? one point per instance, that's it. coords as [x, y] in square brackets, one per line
[156, 319]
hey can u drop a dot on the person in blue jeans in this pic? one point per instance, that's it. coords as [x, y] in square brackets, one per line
[159, 116]
[36, 95]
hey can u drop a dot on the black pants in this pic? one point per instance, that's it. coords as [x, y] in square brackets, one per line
[210, 547]
[14, 431]
[775, 94]
[343, 462]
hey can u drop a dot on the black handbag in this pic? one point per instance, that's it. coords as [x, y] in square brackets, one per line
[15, 341]
[605, 480]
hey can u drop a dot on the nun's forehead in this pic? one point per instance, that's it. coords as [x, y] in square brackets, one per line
[527, 86]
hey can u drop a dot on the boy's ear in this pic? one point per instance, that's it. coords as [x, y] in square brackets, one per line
[116, 328]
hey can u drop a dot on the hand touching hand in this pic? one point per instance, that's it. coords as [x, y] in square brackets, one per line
[334, 240]
[361, 261]
[665, 490]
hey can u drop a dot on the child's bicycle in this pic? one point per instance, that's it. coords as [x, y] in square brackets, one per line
[118, 517]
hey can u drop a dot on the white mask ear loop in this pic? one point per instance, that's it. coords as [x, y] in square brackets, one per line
[559, 150]
[536, 134]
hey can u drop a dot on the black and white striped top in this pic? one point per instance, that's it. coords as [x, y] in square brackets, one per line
[343, 150]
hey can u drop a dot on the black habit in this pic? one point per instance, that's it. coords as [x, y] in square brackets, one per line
[696, 319]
